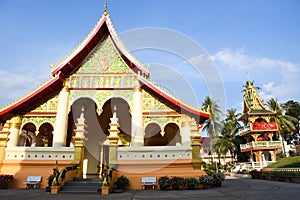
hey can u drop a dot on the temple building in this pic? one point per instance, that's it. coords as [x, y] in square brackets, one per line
[100, 108]
[261, 134]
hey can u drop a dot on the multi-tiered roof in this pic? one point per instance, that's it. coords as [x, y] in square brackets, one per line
[73, 61]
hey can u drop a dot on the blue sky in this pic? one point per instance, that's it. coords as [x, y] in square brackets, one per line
[243, 38]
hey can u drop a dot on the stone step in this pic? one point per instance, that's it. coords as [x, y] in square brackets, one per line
[83, 183]
[82, 186]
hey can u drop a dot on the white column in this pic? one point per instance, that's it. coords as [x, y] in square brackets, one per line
[13, 137]
[137, 135]
[185, 132]
[61, 124]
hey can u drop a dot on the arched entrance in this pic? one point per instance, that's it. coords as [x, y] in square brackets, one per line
[97, 128]
[123, 115]
[172, 134]
[93, 133]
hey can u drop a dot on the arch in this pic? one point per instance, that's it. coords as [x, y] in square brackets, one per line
[28, 137]
[115, 96]
[45, 136]
[88, 107]
[153, 135]
[123, 115]
[85, 96]
[172, 134]
[90, 115]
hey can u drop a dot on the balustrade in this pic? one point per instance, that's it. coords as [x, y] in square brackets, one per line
[39, 153]
[153, 153]
[260, 144]
[102, 81]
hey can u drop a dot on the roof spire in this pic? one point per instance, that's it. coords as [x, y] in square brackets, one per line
[105, 8]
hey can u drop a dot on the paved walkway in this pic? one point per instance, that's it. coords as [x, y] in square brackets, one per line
[232, 189]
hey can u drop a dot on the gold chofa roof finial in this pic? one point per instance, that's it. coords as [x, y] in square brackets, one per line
[105, 8]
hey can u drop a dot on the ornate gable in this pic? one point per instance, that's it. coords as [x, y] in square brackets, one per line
[104, 59]
[252, 100]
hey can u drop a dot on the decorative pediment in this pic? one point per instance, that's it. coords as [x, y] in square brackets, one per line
[104, 59]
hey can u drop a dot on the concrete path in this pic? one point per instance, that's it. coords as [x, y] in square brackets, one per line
[232, 189]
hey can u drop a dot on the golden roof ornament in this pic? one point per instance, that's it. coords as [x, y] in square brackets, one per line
[105, 8]
[251, 98]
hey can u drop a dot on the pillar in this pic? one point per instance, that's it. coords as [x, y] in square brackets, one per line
[113, 139]
[137, 135]
[185, 131]
[196, 157]
[61, 124]
[3, 141]
[79, 140]
[13, 137]
[273, 155]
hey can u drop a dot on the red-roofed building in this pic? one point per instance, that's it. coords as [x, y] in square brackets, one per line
[100, 108]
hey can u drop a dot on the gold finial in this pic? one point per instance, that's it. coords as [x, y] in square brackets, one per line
[105, 8]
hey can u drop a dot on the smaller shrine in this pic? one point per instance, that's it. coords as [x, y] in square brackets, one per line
[261, 134]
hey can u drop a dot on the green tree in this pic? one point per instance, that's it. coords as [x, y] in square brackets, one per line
[227, 140]
[292, 108]
[232, 117]
[284, 122]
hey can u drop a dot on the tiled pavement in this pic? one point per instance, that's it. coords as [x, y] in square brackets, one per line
[232, 189]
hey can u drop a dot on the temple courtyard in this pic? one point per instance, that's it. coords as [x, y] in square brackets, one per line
[233, 189]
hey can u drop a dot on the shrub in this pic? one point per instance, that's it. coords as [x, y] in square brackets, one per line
[191, 182]
[164, 182]
[218, 177]
[122, 182]
[4, 179]
[206, 181]
[176, 182]
[255, 174]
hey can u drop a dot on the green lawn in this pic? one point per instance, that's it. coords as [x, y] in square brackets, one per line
[286, 162]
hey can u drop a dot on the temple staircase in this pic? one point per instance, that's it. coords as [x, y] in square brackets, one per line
[82, 186]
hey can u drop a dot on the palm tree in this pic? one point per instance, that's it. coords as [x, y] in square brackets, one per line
[225, 142]
[229, 130]
[233, 118]
[284, 122]
[212, 125]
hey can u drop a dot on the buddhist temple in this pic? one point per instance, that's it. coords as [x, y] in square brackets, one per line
[259, 131]
[99, 109]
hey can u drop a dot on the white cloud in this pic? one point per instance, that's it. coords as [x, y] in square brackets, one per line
[233, 60]
[278, 78]
[16, 85]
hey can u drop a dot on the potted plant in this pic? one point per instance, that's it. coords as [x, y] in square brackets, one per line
[107, 174]
[164, 182]
[176, 182]
[54, 185]
[121, 183]
[4, 179]
[105, 188]
[191, 182]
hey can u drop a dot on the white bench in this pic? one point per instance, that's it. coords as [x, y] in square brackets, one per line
[149, 181]
[33, 182]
